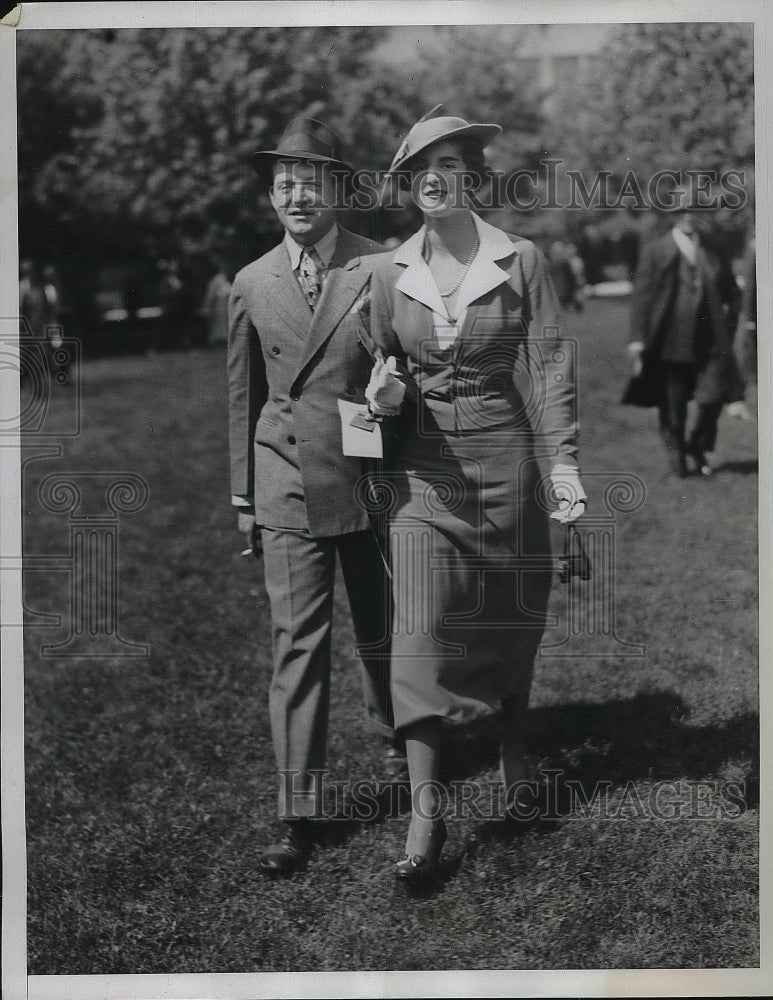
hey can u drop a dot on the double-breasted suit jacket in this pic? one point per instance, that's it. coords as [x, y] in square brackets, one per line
[469, 536]
[287, 367]
[655, 292]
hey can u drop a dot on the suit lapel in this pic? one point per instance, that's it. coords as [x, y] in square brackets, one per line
[491, 267]
[344, 281]
[285, 294]
[416, 280]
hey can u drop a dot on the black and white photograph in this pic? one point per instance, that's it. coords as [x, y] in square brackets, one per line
[386, 499]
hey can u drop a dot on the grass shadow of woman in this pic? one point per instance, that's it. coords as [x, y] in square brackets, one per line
[583, 747]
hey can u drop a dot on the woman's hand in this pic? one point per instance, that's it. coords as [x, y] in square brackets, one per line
[568, 490]
[386, 390]
[635, 352]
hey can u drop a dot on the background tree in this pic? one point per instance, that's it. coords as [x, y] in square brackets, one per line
[135, 144]
[162, 158]
[665, 96]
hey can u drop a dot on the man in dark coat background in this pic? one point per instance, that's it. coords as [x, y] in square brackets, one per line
[683, 314]
[296, 320]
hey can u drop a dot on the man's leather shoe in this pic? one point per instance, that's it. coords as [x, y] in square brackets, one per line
[702, 465]
[677, 464]
[291, 852]
[396, 765]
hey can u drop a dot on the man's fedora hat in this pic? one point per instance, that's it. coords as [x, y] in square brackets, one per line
[428, 131]
[303, 139]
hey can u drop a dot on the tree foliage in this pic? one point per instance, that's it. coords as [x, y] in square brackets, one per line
[158, 149]
[665, 96]
[137, 142]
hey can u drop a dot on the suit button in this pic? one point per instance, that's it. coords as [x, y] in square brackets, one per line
[275, 350]
[291, 439]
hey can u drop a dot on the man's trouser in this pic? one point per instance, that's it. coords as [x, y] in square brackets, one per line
[300, 575]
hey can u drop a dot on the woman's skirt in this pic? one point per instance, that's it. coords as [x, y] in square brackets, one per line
[471, 564]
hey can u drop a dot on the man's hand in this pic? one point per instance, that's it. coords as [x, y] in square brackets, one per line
[245, 523]
[248, 527]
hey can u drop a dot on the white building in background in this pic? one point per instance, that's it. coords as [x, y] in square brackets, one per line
[560, 56]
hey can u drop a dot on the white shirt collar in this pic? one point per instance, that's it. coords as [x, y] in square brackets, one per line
[685, 243]
[325, 248]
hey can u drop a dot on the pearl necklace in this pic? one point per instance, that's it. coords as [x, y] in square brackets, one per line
[467, 266]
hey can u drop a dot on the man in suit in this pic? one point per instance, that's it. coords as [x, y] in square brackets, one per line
[684, 308]
[296, 319]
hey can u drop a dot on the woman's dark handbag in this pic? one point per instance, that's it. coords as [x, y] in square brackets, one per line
[574, 562]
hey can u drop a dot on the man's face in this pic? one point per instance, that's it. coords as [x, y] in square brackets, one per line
[304, 198]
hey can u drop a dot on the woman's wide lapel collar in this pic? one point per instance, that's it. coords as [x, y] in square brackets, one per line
[416, 281]
[486, 272]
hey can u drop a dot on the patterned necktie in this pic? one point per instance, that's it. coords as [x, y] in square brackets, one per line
[309, 276]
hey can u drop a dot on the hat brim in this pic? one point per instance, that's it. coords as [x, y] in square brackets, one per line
[264, 161]
[483, 133]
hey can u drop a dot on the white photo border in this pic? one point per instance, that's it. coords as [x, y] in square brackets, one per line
[15, 982]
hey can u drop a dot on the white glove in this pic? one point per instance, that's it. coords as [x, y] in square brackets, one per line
[635, 351]
[385, 391]
[571, 496]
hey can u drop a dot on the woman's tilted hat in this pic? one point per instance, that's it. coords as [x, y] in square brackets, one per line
[429, 130]
[303, 139]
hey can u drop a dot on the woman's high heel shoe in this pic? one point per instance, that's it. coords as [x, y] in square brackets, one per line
[421, 864]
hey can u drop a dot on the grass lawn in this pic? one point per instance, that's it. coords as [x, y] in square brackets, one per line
[150, 780]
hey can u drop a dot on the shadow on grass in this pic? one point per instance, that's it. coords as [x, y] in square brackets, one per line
[641, 738]
[746, 467]
[644, 738]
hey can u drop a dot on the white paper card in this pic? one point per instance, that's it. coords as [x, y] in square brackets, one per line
[359, 441]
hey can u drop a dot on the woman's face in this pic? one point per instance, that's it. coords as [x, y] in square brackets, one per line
[438, 177]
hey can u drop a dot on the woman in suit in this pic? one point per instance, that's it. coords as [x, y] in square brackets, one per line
[470, 360]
